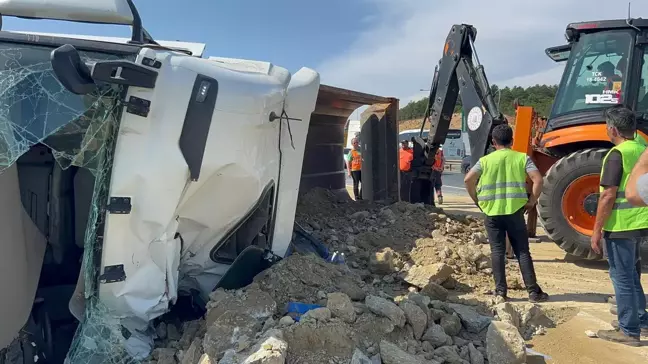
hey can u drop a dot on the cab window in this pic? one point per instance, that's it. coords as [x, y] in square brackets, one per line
[595, 73]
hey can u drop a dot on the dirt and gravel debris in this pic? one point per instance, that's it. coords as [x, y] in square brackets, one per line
[397, 299]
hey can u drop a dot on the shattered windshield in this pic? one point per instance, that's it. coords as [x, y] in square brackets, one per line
[79, 130]
[36, 108]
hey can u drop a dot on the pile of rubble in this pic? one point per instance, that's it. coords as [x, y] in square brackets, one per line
[397, 299]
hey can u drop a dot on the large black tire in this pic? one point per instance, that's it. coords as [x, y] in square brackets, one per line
[550, 213]
[560, 175]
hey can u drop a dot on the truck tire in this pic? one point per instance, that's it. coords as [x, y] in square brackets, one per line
[565, 205]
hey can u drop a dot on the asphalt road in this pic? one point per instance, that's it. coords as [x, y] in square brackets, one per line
[452, 183]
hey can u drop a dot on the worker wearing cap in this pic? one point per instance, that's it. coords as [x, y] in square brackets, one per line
[623, 226]
[354, 166]
[405, 158]
[497, 184]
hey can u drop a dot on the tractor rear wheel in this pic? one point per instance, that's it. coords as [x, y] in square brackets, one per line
[567, 204]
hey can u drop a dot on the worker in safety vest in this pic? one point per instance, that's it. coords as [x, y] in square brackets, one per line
[405, 157]
[497, 184]
[437, 171]
[354, 166]
[623, 226]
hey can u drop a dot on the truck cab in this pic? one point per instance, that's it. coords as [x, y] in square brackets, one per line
[118, 160]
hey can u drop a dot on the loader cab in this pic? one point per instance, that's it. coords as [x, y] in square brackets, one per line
[605, 66]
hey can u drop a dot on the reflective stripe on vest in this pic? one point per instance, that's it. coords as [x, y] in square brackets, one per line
[356, 160]
[625, 216]
[502, 184]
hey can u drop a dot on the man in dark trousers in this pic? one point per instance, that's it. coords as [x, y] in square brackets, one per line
[497, 184]
[623, 226]
[405, 157]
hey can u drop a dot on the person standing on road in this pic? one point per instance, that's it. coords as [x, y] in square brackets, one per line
[623, 226]
[437, 171]
[497, 185]
[405, 157]
[354, 166]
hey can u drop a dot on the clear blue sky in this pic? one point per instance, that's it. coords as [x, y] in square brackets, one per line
[289, 33]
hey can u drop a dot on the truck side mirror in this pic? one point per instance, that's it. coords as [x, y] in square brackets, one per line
[80, 78]
[73, 74]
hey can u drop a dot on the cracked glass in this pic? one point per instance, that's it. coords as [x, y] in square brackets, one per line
[80, 130]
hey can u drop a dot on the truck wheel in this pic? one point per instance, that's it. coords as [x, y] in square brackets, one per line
[567, 204]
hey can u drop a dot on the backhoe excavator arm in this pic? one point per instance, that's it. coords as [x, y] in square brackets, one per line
[459, 73]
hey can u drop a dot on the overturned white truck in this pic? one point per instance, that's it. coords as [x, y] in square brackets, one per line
[135, 172]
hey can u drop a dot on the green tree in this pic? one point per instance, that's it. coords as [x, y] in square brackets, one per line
[539, 96]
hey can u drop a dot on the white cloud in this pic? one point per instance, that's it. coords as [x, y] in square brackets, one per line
[396, 54]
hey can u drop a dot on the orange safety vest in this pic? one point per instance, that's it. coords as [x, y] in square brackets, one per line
[438, 161]
[356, 160]
[405, 159]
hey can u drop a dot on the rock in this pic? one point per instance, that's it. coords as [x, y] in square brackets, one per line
[382, 262]
[341, 306]
[271, 349]
[392, 354]
[436, 336]
[427, 347]
[507, 313]
[532, 316]
[383, 307]
[319, 314]
[479, 238]
[472, 320]
[476, 357]
[228, 329]
[450, 283]
[388, 214]
[190, 330]
[415, 317]
[172, 332]
[435, 291]
[286, 321]
[451, 324]
[436, 315]
[464, 353]
[315, 225]
[161, 331]
[459, 341]
[449, 355]
[591, 334]
[470, 253]
[316, 342]
[420, 276]
[376, 359]
[360, 358]
[193, 353]
[360, 215]
[206, 359]
[161, 354]
[251, 302]
[504, 344]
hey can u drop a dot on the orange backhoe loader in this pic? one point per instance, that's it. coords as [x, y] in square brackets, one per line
[605, 65]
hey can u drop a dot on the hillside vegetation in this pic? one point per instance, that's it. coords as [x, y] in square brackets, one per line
[540, 97]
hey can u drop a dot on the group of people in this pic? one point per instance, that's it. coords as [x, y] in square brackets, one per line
[413, 189]
[497, 184]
